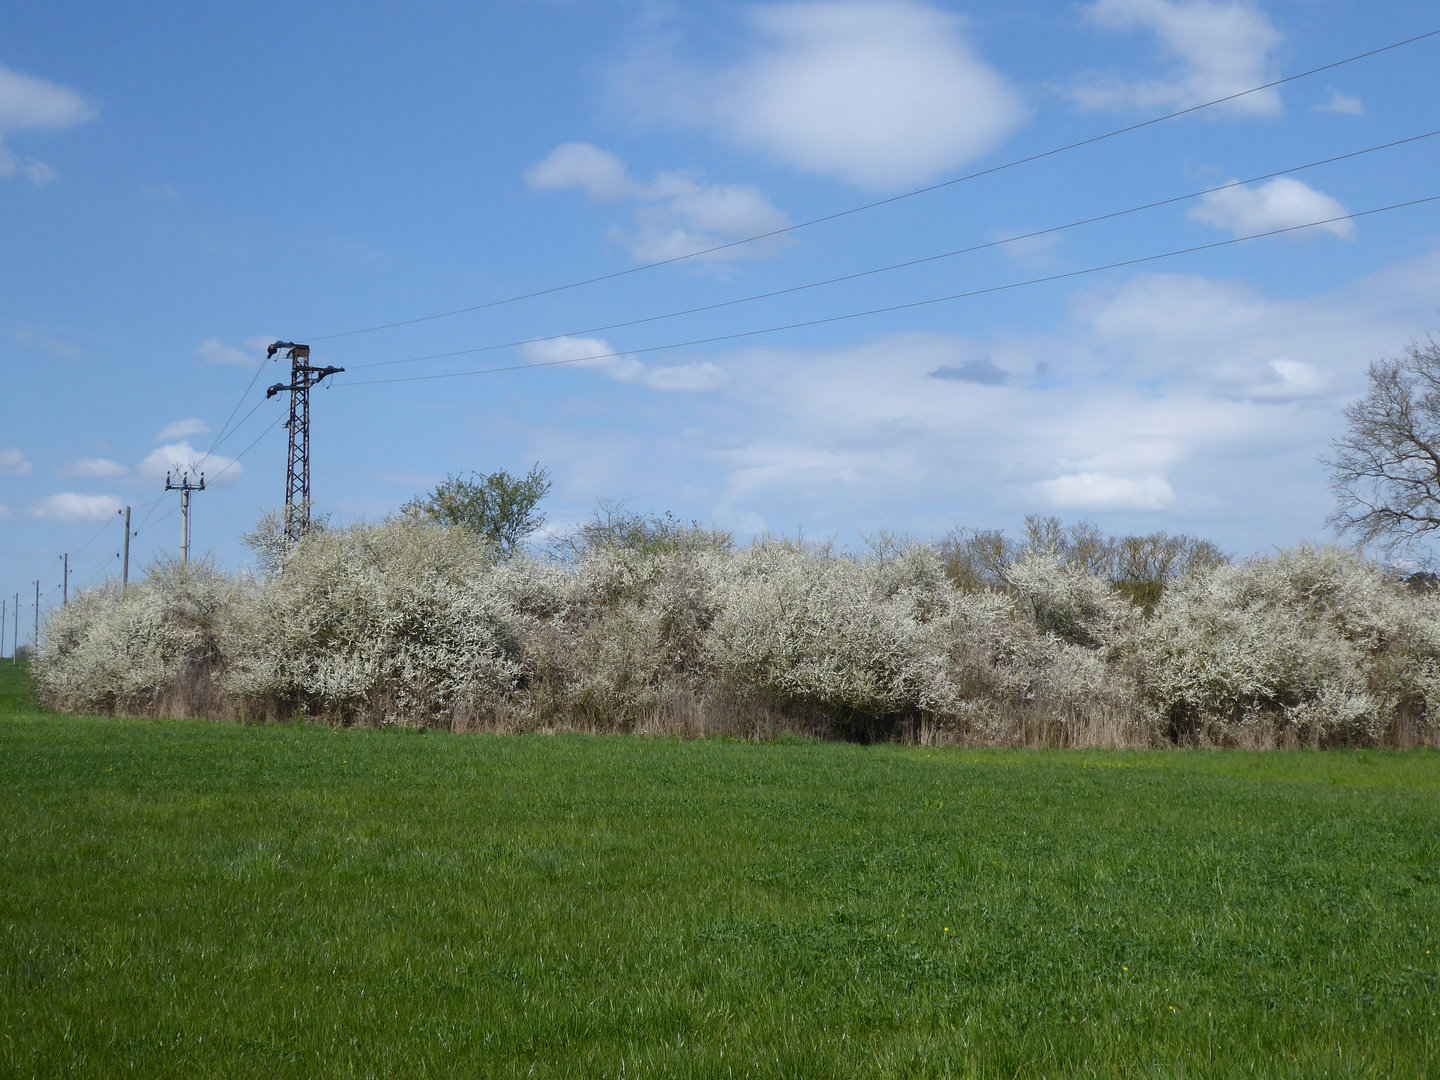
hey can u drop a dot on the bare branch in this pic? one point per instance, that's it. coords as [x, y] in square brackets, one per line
[1385, 469]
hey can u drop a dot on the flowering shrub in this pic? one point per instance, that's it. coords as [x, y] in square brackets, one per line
[831, 635]
[404, 621]
[1314, 640]
[394, 621]
[163, 643]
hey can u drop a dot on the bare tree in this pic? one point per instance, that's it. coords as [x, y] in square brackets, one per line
[1385, 469]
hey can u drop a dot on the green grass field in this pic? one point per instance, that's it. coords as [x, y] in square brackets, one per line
[212, 900]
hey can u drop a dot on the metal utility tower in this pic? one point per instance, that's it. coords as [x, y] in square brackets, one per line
[185, 487]
[297, 468]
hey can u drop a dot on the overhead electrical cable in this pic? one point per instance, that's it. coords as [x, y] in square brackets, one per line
[225, 430]
[158, 500]
[269, 428]
[911, 304]
[896, 266]
[109, 520]
[835, 216]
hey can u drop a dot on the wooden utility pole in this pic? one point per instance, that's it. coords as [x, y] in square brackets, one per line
[125, 573]
[37, 616]
[65, 581]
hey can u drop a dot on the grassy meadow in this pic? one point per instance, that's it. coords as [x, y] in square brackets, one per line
[180, 898]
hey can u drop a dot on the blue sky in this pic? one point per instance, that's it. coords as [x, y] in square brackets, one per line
[180, 183]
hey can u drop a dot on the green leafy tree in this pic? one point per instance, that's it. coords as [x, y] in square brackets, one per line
[497, 507]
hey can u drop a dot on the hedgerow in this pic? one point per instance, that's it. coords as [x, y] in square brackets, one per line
[647, 625]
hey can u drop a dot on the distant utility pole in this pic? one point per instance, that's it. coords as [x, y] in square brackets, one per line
[125, 574]
[185, 488]
[37, 615]
[297, 468]
[15, 644]
[65, 586]
[4, 604]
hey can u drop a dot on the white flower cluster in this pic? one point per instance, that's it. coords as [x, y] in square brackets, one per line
[402, 622]
[1315, 639]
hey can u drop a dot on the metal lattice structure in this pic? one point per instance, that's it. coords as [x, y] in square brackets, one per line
[297, 462]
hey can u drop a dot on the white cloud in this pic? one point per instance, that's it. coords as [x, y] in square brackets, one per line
[1098, 491]
[14, 463]
[72, 506]
[1281, 203]
[597, 355]
[179, 429]
[1034, 251]
[37, 172]
[1170, 401]
[214, 351]
[1281, 379]
[61, 350]
[96, 467]
[877, 93]
[675, 214]
[1223, 47]
[29, 103]
[1342, 104]
[599, 173]
[181, 457]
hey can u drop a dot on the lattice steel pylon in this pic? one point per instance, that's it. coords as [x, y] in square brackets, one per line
[297, 466]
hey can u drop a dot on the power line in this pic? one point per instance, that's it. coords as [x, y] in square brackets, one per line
[109, 520]
[912, 304]
[225, 431]
[886, 201]
[158, 499]
[219, 440]
[243, 421]
[901, 265]
[271, 427]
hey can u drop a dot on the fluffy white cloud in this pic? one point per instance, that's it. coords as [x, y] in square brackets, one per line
[14, 463]
[214, 351]
[1099, 491]
[675, 214]
[1281, 203]
[179, 429]
[598, 173]
[1280, 379]
[27, 102]
[878, 93]
[1342, 104]
[1166, 401]
[1223, 47]
[597, 355]
[96, 467]
[72, 506]
[181, 457]
[56, 347]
